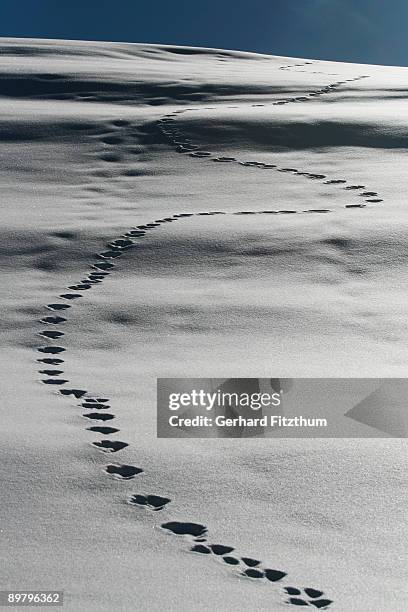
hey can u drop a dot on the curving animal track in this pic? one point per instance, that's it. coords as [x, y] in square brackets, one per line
[97, 408]
[168, 127]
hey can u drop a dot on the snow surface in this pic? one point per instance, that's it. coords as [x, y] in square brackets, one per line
[98, 138]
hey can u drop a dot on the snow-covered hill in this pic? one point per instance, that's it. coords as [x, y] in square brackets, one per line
[264, 201]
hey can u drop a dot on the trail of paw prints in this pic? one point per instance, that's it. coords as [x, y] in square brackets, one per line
[96, 409]
[151, 502]
[51, 360]
[298, 68]
[52, 354]
[168, 127]
[173, 134]
[243, 566]
[308, 597]
[326, 89]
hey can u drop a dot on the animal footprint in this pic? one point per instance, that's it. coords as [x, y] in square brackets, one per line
[224, 159]
[58, 306]
[80, 287]
[220, 549]
[201, 154]
[136, 233]
[78, 393]
[54, 350]
[110, 254]
[123, 472]
[103, 265]
[110, 446]
[200, 548]
[311, 597]
[103, 430]
[192, 529]
[230, 560]
[51, 334]
[317, 210]
[54, 381]
[250, 562]
[154, 502]
[51, 372]
[253, 573]
[53, 320]
[274, 575]
[50, 361]
[121, 243]
[99, 416]
[70, 296]
[95, 405]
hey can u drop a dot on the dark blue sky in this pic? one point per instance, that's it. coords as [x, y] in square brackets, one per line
[370, 31]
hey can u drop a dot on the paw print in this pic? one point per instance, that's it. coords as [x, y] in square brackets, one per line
[309, 597]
